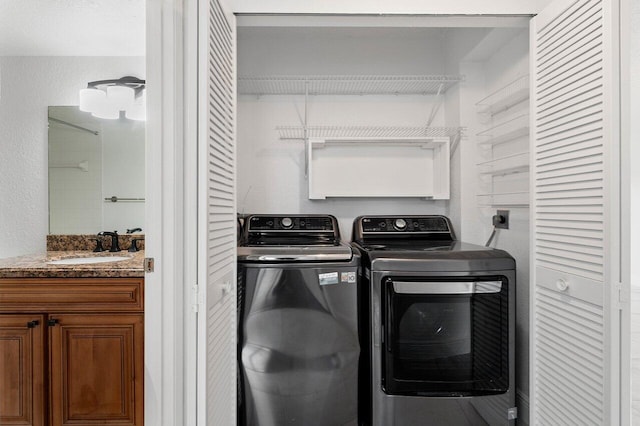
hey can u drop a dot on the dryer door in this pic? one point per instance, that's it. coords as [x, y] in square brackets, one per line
[445, 336]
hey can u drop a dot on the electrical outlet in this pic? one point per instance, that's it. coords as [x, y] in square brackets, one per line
[501, 219]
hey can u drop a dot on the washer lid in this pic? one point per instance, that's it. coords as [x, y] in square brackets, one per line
[295, 253]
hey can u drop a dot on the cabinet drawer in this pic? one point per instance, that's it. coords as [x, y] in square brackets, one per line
[71, 294]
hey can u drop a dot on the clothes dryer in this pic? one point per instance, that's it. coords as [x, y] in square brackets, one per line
[438, 325]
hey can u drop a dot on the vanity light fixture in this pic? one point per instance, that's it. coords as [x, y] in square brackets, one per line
[106, 98]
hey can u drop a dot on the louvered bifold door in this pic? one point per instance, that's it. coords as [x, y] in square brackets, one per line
[217, 215]
[574, 214]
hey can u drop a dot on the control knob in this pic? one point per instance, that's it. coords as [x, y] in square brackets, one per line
[400, 224]
[286, 223]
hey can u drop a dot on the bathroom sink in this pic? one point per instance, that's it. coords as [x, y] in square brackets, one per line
[88, 260]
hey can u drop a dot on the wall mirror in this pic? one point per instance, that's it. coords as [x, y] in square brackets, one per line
[96, 172]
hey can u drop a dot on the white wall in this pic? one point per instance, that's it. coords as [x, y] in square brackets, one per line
[386, 6]
[318, 50]
[634, 113]
[460, 45]
[271, 171]
[486, 74]
[28, 86]
[635, 141]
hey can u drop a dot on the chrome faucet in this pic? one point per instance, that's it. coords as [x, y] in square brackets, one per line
[115, 246]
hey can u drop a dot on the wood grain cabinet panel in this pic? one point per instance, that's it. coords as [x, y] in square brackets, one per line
[97, 369]
[71, 351]
[22, 361]
[71, 294]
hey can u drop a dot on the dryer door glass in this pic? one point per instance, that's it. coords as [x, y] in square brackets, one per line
[445, 337]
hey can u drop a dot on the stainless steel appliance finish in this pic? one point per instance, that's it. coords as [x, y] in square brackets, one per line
[441, 325]
[298, 346]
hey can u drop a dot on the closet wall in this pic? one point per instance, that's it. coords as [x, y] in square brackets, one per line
[271, 171]
[493, 75]
[461, 7]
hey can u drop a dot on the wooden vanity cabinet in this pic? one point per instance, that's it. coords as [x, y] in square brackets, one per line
[22, 370]
[95, 363]
[82, 363]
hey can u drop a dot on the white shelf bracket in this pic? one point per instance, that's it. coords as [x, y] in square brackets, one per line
[454, 144]
[436, 106]
[306, 129]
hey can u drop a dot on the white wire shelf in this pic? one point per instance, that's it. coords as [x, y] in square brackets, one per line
[508, 164]
[504, 199]
[504, 98]
[504, 132]
[364, 132]
[506, 170]
[347, 84]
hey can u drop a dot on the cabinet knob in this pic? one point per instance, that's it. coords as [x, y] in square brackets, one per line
[562, 284]
[52, 322]
[33, 324]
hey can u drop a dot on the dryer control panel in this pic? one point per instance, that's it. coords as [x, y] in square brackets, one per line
[423, 227]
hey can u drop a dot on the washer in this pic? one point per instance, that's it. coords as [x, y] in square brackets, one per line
[439, 317]
[298, 348]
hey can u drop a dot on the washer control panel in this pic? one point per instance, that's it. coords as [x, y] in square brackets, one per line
[291, 223]
[400, 224]
[404, 224]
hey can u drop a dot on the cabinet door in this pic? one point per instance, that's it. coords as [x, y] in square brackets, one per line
[21, 370]
[96, 369]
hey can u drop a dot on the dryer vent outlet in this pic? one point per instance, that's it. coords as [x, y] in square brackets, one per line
[501, 219]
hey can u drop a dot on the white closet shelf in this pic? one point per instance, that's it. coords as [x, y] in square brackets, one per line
[507, 136]
[508, 164]
[504, 199]
[507, 96]
[506, 170]
[365, 132]
[504, 132]
[347, 84]
[378, 167]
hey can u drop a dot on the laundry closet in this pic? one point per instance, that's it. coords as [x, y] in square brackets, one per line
[373, 114]
[390, 116]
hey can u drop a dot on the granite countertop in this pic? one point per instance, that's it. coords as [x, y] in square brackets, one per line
[36, 266]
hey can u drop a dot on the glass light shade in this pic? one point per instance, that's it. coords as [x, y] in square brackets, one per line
[91, 99]
[138, 111]
[120, 96]
[106, 110]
